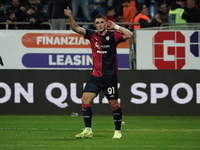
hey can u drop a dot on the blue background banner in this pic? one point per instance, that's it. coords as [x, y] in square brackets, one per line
[72, 61]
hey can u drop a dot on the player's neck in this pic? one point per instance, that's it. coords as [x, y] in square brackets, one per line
[102, 33]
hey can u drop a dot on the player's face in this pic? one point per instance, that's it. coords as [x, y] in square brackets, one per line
[100, 24]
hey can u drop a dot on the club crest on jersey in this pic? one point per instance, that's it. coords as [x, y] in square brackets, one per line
[107, 38]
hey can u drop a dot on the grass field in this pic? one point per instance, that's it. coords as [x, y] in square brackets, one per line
[139, 133]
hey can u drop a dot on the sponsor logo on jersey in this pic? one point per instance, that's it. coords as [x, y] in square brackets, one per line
[107, 38]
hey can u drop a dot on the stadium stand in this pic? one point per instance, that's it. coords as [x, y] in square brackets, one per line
[100, 9]
[152, 10]
[141, 1]
[8, 2]
[80, 16]
[153, 2]
[46, 8]
[97, 2]
[98, 6]
[6, 6]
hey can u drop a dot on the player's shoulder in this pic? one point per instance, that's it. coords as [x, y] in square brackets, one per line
[90, 31]
[110, 32]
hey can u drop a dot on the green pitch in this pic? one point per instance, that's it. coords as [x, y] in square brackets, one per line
[139, 133]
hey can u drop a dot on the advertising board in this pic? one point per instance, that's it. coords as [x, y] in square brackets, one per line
[173, 50]
[29, 49]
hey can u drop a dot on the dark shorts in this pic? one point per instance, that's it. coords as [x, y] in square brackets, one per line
[96, 84]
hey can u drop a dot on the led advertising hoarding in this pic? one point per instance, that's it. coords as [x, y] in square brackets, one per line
[59, 92]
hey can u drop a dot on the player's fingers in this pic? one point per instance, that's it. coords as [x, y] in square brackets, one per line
[65, 11]
[110, 21]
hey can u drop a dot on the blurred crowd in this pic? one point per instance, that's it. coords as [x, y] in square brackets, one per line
[23, 11]
[141, 13]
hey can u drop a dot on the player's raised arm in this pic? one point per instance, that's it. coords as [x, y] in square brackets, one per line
[127, 34]
[72, 22]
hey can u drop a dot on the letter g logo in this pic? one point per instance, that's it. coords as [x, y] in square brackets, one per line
[169, 50]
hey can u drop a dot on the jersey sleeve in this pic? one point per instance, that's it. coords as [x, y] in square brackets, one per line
[118, 37]
[89, 34]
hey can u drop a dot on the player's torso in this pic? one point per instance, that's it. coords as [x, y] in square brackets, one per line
[104, 54]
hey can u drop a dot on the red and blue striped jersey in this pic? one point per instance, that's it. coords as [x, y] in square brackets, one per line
[104, 53]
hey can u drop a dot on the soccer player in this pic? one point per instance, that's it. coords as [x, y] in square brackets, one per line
[105, 68]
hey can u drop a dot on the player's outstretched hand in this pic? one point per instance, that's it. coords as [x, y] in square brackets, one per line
[110, 24]
[68, 12]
